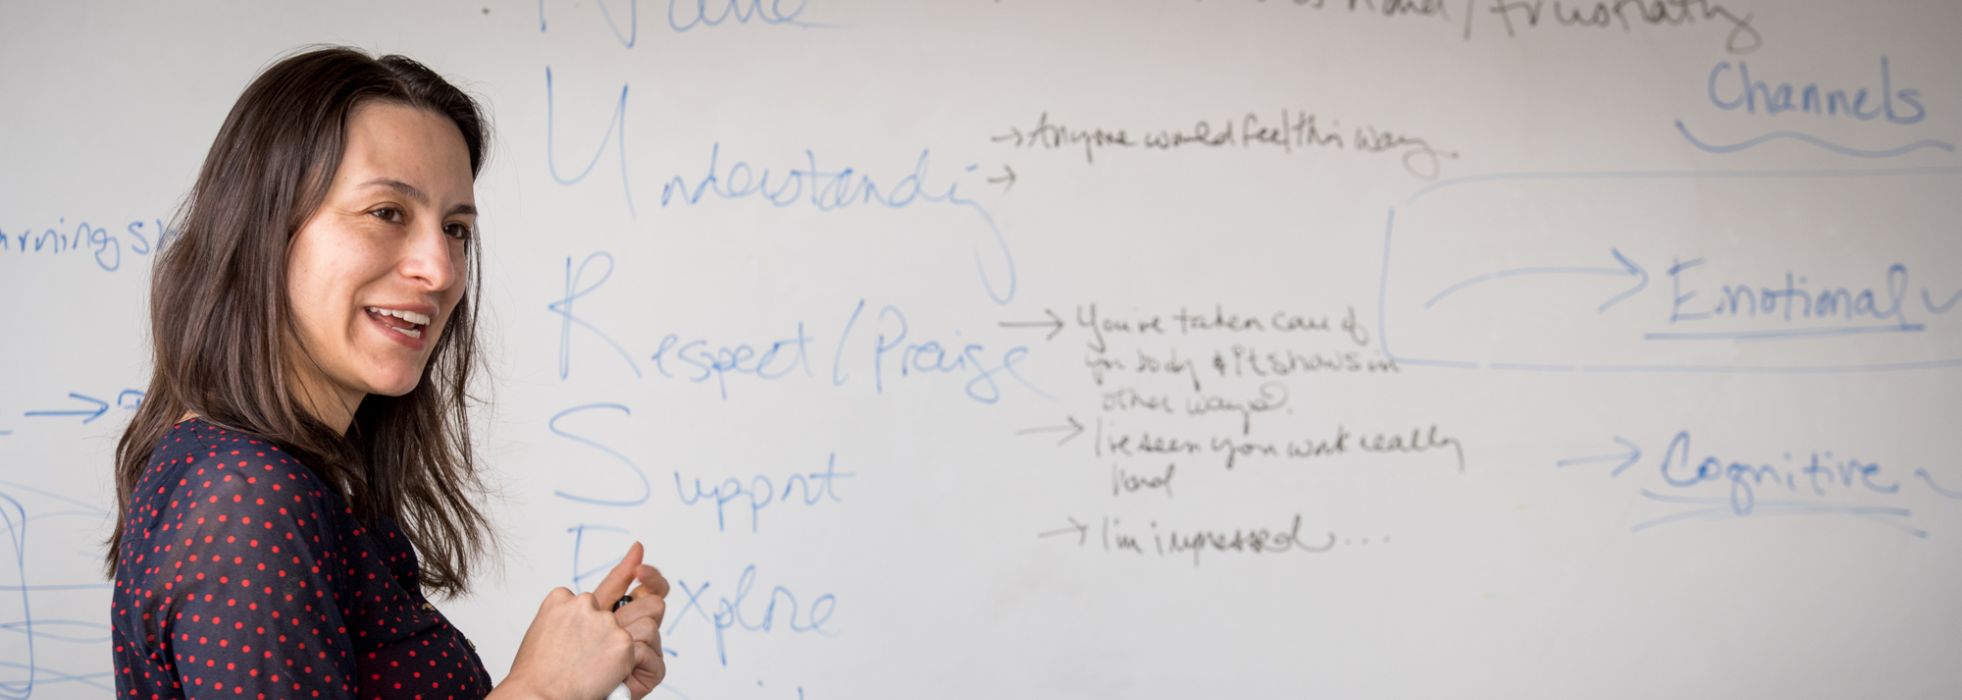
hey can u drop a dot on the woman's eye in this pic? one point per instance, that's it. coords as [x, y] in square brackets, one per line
[458, 231]
[388, 214]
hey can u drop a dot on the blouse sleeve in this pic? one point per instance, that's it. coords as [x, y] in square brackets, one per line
[242, 597]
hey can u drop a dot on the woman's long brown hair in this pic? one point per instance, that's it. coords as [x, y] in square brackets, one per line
[220, 319]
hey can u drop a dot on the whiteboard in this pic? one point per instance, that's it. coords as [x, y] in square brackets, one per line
[1157, 349]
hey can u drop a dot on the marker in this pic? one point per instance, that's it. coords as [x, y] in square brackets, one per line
[621, 693]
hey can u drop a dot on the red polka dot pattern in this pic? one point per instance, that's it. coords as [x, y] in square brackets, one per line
[243, 575]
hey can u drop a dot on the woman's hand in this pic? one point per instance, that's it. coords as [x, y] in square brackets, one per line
[576, 646]
[642, 619]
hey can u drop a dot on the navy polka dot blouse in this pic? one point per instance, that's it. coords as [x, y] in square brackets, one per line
[243, 575]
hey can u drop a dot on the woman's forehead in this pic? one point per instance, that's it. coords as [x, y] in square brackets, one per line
[406, 145]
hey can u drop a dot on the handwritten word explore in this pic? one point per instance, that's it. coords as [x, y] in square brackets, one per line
[738, 612]
[760, 492]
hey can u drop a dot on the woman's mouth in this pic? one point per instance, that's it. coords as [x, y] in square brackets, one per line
[408, 324]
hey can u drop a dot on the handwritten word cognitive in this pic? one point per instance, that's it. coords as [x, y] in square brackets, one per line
[1702, 485]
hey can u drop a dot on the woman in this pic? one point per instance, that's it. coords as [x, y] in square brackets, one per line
[300, 471]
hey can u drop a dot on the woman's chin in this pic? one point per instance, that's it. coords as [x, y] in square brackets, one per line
[394, 386]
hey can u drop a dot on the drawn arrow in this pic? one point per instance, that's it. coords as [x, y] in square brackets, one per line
[1626, 268]
[101, 407]
[1628, 458]
[1055, 324]
[1074, 427]
[1016, 136]
[1009, 178]
[1082, 532]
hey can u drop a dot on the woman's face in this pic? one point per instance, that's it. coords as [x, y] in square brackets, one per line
[374, 274]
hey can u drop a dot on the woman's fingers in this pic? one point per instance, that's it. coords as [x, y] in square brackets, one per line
[651, 580]
[574, 649]
[645, 631]
[648, 598]
[650, 668]
[643, 608]
[615, 584]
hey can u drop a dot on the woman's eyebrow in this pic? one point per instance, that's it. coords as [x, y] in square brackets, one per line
[410, 191]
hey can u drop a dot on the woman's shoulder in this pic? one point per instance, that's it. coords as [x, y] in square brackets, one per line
[201, 465]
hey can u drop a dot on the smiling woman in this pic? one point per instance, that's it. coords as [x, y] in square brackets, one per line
[300, 470]
[383, 258]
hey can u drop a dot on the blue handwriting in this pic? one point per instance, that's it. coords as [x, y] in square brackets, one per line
[700, 13]
[760, 492]
[105, 246]
[740, 613]
[1794, 299]
[626, 464]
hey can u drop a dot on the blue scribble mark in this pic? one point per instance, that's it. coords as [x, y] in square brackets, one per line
[1533, 367]
[99, 632]
[633, 21]
[1628, 268]
[1383, 286]
[35, 632]
[575, 289]
[733, 9]
[1942, 308]
[13, 516]
[578, 533]
[17, 486]
[1785, 334]
[1937, 488]
[1628, 457]
[616, 134]
[646, 488]
[741, 11]
[48, 677]
[1813, 140]
[1717, 508]
[1679, 175]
